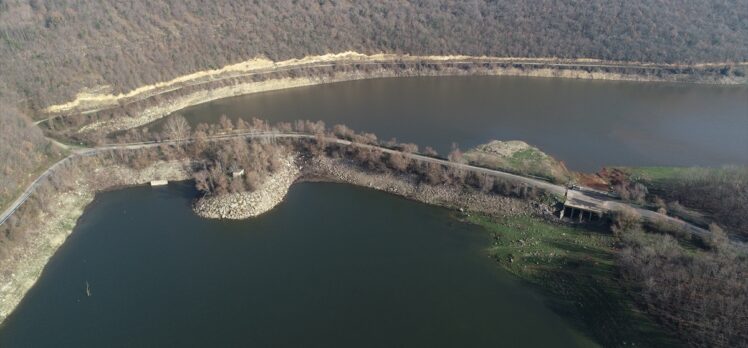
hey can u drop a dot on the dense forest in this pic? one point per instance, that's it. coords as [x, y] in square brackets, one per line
[49, 50]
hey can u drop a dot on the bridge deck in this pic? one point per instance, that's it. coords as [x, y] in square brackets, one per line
[579, 200]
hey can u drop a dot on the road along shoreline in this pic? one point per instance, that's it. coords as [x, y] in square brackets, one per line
[22, 265]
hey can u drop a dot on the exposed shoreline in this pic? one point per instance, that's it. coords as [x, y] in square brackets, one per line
[85, 101]
[106, 113]
[21, 269]
[24, 267]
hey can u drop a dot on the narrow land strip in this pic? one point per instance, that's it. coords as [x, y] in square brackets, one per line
[603, 203]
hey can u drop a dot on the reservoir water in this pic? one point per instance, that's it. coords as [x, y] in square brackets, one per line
[337, 265]
[587, 124]
[332, 266]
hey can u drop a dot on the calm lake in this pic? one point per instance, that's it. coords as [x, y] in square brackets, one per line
[334, 265]
[587, 124]
[337, 265]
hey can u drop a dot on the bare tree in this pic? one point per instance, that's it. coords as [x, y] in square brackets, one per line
[717, 240]
[252, 181]
[625, 220]
[429, 151]
[398, 162]
[226, 123]
[408, 147]
[176, 127]
[456, 154]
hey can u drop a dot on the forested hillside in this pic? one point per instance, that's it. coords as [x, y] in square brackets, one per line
[24, 149]
[49, 50]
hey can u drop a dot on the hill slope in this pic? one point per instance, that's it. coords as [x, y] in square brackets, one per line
[49, 50]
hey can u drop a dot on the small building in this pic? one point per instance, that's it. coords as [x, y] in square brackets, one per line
[237, 173]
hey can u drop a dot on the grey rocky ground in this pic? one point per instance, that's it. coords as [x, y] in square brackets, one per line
[242, 205]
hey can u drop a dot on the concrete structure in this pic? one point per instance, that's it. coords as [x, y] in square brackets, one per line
[159, 182]
[584, 203]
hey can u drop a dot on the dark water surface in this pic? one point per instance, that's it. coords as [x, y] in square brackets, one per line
[333, 265]
[587, 124]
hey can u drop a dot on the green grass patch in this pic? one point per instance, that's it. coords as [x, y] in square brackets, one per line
[576, 268]
[528, 155]
[665, 175]
[653, 174]
[519, 158]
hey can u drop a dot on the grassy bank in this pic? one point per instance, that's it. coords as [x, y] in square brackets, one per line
[664, 175]
[518, 157]
[576, 268]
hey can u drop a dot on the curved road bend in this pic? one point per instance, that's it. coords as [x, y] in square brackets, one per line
[606, 205]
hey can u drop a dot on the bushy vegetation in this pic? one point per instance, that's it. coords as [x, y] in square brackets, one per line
[720, 193]
[702, 294]
[50, 49]
[260, 158]
[24, 152]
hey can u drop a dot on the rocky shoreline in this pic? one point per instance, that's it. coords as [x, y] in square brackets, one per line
[243, 205]
[467, 200]
[20, 270]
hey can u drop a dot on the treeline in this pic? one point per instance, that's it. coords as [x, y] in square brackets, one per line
[260, 157]
[50, 49]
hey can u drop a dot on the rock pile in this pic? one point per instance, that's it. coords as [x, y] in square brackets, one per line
[243, 205]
